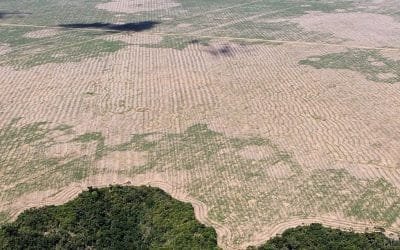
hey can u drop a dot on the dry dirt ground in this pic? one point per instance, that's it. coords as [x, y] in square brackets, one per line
[125, 6]
[42, 33]
[257, 141]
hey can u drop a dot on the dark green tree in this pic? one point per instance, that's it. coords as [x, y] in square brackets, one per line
[110, 218]
[318, 237]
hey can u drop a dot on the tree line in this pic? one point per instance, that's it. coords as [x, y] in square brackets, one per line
[121, 217]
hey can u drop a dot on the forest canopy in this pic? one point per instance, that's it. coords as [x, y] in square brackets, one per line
[317, 237]
[116, 217]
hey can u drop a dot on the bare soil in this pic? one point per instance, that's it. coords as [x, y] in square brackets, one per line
[256, 152]
[128, 6]
[364, 29]
[4, 48]
[43, 33]
[122, 160]
[385, 76]
[136, 39]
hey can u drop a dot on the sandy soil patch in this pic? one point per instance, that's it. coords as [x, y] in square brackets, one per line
[364, 29]
[360, 171]
[4, 48]
[394, 55]
[379, 64]
[59, 55]
[71, 150]
[272, 20]
[385, 76]
[135, 38]
[153, 137]
[379, 5]
[122, 160]
[279, 170]
[42, 33]
[256, 152]
[184, 25]
[128, 6]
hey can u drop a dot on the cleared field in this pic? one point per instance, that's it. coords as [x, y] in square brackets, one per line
[263, 114]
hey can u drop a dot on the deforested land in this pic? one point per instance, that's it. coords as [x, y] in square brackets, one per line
[265, 115]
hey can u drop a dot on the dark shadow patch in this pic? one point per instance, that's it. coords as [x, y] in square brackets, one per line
[224, 50]
[194, 41]
[201, 41]
[136, 27]
[6, 14]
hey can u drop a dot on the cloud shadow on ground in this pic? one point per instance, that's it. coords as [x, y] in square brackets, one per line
[5, 14]
[136, 27]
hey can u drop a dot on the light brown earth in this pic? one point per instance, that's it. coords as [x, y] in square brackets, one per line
[134, 39]
[128, 6]
[385, 76]
[394, 55]
[42, 33]
[256, 152]
[362, 29]
[4, 48]
[122, 160]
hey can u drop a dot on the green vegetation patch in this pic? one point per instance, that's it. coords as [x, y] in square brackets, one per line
[111, 218]
[315, 236]
[375, 199]
[24, 164]
[54, 12]
[178, 42]
[367, 62]
[380, 201]
[4, 217]
[250, 20]
[266, 28]
[197, 147]
[68, 53]
[65, 46]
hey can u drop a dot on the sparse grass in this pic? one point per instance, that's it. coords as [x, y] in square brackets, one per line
[29, 168]
[94, 136]
[72, 53]
[367, 62]
[250, 20]
[4, 217]
[261, 29]
[90, 93]
[52, 12]
[273, 9]
[286, 8]
[254, 42]
[67, 46]
[73, 46]
[178, 42]
[88, 137]
[380, 201]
